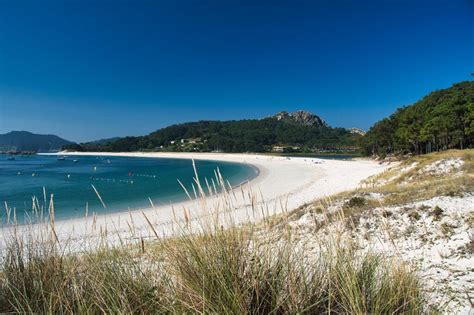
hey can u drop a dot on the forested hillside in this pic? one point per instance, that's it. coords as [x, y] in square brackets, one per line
[292, 131]
[444, 119]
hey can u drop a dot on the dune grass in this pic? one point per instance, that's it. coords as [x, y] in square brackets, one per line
[249, 269]
[415, 185]
[221, 271]
[403, 184]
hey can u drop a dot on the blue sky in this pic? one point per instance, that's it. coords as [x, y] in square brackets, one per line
[86, 70]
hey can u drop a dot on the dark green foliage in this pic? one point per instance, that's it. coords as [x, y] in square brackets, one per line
[442, 120]
[414, 215]
[253, 135]
[356, 202]
[437, 213]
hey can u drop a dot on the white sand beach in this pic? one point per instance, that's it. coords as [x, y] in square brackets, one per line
[282, 184]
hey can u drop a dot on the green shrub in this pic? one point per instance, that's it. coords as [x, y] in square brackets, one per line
[356, 202]
[437, 213]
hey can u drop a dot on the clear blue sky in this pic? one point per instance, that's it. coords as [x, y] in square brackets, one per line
[93, 69]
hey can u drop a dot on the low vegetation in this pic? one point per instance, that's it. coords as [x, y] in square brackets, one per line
[414, 180]
[220, 271]
[420, 210]
[407, 182]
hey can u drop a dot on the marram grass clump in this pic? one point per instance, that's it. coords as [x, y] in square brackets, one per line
[233, 271]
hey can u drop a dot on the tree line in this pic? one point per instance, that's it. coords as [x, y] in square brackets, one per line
[444, 119]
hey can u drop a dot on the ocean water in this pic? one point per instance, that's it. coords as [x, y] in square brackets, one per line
[123, 183]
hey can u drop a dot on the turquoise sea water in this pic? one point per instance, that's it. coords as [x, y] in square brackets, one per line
[122, 182]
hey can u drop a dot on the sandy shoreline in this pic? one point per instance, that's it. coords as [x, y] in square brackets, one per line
[281, 184]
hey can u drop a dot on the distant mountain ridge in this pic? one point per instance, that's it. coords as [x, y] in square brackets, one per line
[28, 141]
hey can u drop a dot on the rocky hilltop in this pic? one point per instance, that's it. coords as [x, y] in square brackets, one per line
[357, 131]
[301, 117]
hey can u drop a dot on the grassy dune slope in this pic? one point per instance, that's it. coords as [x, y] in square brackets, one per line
[420, 211]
